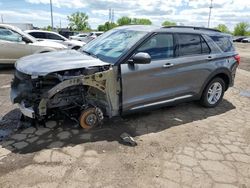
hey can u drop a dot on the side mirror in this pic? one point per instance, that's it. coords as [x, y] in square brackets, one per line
[25, 39]
[141, 58]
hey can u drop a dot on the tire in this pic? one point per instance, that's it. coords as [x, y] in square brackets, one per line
[213, 93]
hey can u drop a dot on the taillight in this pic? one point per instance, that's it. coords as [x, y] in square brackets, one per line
[237, 58]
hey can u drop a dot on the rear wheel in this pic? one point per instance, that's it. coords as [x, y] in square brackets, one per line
[213, 93]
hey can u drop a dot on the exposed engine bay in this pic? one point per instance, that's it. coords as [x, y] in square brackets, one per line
[74, 93]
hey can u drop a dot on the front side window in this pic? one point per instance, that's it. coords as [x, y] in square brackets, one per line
[38, 35]
[111, 45]
[8, 35]
[160, 46]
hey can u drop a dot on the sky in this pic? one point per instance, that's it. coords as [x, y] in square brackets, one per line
[187, 12]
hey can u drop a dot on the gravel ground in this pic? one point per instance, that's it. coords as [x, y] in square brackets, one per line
[182, 146]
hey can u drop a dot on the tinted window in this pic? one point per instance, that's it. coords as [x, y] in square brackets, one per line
[53, 36]
[189, 44]
[159, 46]
[205, 47]
[224, 42]
[38, 35]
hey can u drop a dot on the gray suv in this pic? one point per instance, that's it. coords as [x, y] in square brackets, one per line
[125, 70]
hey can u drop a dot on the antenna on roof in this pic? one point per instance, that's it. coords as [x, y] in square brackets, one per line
[210, 11]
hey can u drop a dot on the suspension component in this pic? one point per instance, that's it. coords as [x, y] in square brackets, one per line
[91, 117]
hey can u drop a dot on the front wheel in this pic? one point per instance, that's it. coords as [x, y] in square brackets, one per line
[213, 93]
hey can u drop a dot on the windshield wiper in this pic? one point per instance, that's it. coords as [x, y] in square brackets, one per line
[90, 54]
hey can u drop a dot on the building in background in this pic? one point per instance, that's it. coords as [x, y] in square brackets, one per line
[22, 26]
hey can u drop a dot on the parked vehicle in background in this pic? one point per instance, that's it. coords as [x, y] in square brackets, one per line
[14, 44]
[238, 38]
[246, 40]
[66, 33]
[55, 37]
[91, 36]
[127, 69]
[80, 36]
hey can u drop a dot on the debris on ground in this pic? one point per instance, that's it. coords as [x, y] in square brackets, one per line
[128, 139]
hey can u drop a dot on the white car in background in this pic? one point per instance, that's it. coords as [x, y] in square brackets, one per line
[92, 35]
[55, 37]
[246, 40]
[14, 44]
[79, 37]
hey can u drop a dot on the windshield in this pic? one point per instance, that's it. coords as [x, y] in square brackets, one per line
[110, 46]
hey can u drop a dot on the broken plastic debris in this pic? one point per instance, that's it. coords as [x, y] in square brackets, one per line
[128, 139]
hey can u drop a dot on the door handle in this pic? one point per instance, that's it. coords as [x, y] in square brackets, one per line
[210, 58]
[168, 65]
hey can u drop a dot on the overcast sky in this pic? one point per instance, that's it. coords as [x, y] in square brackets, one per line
[189, 12]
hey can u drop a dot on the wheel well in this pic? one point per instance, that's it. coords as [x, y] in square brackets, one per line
[224, 77]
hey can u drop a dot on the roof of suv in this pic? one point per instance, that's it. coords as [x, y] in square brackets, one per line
[177, 29]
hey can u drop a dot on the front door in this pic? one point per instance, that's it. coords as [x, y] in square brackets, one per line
[11, 46]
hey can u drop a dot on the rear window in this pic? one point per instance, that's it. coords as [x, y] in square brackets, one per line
[191, 44]
[224, 42]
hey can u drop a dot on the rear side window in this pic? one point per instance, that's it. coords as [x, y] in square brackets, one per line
[160, 46]
[53, 36]
[224, 42]
[38, 35]
[190, 44]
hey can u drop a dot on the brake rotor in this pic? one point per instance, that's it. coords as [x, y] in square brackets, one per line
[89, 118]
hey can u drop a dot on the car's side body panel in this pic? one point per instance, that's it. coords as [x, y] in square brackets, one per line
[153, 84]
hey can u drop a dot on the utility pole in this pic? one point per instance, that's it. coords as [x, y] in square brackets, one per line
[112, 16]
[2, 18]
[210, 11]
[51, 14]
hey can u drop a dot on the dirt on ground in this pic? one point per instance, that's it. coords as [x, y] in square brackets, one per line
[181, 146]
[243, 50]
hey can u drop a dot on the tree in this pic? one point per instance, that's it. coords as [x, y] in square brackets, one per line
[168, 23]
[241, 29]
[223, 28]
[124, 21]
[141, 21]
[48, 28]
[107, 26]
[78, 21]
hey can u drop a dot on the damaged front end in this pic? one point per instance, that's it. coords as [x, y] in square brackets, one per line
[73, 93]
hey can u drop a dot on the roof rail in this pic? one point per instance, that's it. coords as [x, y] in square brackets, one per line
[192, 27]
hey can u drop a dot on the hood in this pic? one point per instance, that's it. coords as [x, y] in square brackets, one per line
[49, 44]
[76, 42]
[45, 63]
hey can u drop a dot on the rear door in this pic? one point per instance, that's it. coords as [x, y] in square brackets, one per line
[193, 62]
